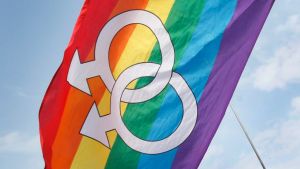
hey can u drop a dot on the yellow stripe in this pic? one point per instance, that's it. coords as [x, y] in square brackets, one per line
[91, 154]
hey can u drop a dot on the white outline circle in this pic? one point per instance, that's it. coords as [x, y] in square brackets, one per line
[167, 51]
[189, 110]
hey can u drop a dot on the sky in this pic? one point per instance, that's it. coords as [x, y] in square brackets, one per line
[34, 34]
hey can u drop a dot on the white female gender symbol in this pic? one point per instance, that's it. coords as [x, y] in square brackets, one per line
[96, 126]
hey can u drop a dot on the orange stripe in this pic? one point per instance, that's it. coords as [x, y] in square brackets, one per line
[78, 104]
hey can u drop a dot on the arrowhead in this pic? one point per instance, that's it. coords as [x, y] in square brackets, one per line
[78, 73]
[95, 126]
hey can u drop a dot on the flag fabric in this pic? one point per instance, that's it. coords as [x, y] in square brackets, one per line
[145, 83]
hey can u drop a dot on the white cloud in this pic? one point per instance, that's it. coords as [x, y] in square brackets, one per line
[213, 151]
[247, 161]
[18, 91]
[296, 106]
[279, 145]
[15, 145]
[292, 24]
[16, 142]
[280, 70]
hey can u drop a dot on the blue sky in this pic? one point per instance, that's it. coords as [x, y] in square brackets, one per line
[34, 34]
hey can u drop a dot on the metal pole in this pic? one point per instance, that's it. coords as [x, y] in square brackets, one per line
[248, 138]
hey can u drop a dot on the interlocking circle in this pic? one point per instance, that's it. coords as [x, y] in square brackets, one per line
[167, 51]
[96, 126]
[189, 110]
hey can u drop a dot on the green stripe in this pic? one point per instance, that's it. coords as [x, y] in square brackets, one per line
[180, 24]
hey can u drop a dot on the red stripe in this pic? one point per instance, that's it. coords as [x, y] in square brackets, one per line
[77, 105]
[83, 38]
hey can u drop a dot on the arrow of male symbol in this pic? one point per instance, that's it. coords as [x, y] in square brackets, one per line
[80, 72]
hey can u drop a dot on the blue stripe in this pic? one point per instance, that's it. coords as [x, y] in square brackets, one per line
[195, 66]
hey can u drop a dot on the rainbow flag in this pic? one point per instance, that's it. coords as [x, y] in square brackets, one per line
[145, 83]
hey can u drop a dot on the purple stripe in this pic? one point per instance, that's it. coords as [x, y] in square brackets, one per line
[238, 41]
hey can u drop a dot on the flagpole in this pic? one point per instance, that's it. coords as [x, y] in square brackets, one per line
[248, 137]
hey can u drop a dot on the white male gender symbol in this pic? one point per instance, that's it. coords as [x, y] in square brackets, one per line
[96, 126]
